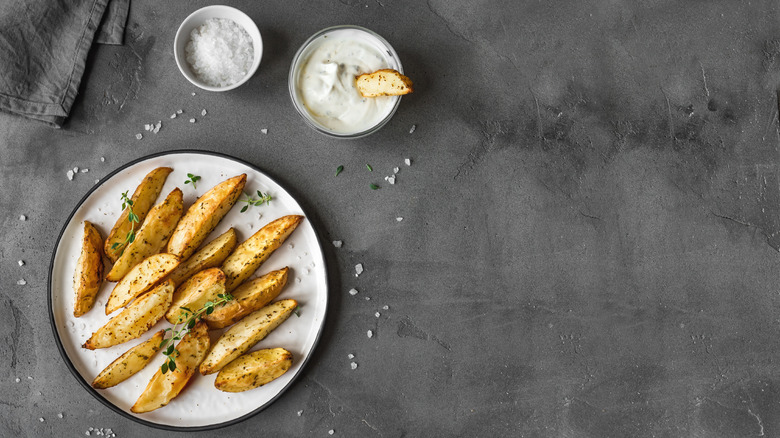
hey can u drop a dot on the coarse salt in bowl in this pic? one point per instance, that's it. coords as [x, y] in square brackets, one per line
[213, 45]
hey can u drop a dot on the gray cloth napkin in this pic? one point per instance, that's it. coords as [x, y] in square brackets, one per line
[43, 51]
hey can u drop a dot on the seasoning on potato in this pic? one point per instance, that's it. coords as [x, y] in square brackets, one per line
[251, 253]
[210, 256]
[253, 370]
[204, 215]
[250, 296]
[140, 279]
[384, 82]
[88, 276]
[201, 288]
[129, 363]
[143, 199]
[135, 320]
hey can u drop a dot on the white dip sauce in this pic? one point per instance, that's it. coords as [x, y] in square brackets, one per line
[326, 82]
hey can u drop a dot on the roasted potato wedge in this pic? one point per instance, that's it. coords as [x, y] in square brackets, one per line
[210, 256]
[143, 198]
[153, 235]
[385, 82]
[238, 339]
[140, 279]
[135, 320]
[163, 388]
[131, 362]
[254, 369]
[204, 215]
[251, 253]
[248, 297]
[194, 293]
[88, 276]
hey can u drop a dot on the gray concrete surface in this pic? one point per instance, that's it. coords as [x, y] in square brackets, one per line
[591, 221]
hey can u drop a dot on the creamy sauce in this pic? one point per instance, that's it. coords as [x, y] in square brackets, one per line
[326, 82]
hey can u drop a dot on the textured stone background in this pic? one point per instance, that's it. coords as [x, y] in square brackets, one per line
[591, 221]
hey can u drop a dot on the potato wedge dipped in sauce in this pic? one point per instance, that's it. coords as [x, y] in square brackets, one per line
[204, 215]
[250, 296]
[135, 320]
[143, 199]
[129, 363]
[152, 236]
[88, 276]
[242, 336]
[251, 253]
[253, 370]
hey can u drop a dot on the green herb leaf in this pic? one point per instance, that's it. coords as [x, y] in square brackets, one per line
[297, 311]
[164, 368]
[370, 169]
[373, 186]
[192, 180]
[339, 170]
[265, 198]
[172, 365]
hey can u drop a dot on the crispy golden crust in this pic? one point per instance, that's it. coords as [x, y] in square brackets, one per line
[194, 293]
[385, 82]
[250, 296]
[131, 362]
[143, 199]
[253, 370]
[163, 388]
[88, 276]
[152, 236]
[210, 256]
[251, 253]
[204, 215]
[140, 279]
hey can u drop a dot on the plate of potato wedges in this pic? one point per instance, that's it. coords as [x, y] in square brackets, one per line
[187, 290]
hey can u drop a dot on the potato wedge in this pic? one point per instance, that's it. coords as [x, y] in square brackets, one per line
[131, 362]
[140, 279]
[163, 388]
[210, 256]
[384, 82]
[254, 369]
[143, 198]
[195, 292]
[248, 297]
[135, 320]
[251, 253]
[204, 215]
[153, 235]
[238, 339]
[88, 276]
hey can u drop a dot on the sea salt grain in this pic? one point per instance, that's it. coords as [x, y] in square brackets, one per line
[264, 131]
[139, 136]
[69, 173]
[358, 269]
[102, 159]
[399, 219]
[20, 262]
[41, 420]
[396, 170]
[84, 170]
[59, 415]
[192, 120]
[353, 291]
[180, 111]
[18, 380]
[377, 314]
[203, 113]
[411, 130]
[300, 413]
[407, 161]
[331, 432]
[368, 298]
[353, 365]
[385, 307]
[337, 243]
[220, 52]
[370, 334]
[173, 116]
[350, 356]
[21, 282]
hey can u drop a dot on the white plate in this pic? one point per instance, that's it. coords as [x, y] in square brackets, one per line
[200, 405]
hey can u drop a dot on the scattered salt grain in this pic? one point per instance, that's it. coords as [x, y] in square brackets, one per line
[139, 136]
[20, 262]
[368, 298]
[337, 243]
[391, 179]
[411, 130]
[29, 378]
[297, 280]
[97, 181]
[291, 246]
[350, 356]
[353, 291]
[264, 130]
[84, 170]
[102, 159]
[41, 419]
[75, 170]
[180, 111]
[377, 314]
[148, 127]
[203, 113]
[86, 433]
[396, 170]
[157, 127]
[173, 116]
[59, 415]
[192, 120]
[399, 219]
[193, 93]
[331, 432]
[407, 161]
[69, 173]
[385, 307]
[370, 334]
[22, 218]
[300, 413]
[21, 282]
[358, 269]
[353, 365]
[18, 380]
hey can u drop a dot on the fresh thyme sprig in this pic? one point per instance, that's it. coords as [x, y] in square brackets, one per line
[188, 321]
[192, 180]
[339, 170]
[132, 217]
[264, 198]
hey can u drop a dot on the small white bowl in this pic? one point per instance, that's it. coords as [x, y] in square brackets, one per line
[198, 18]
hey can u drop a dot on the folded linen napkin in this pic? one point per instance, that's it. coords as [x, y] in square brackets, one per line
[43, 51]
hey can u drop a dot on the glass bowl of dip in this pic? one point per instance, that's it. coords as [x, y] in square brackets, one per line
[322, 81]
